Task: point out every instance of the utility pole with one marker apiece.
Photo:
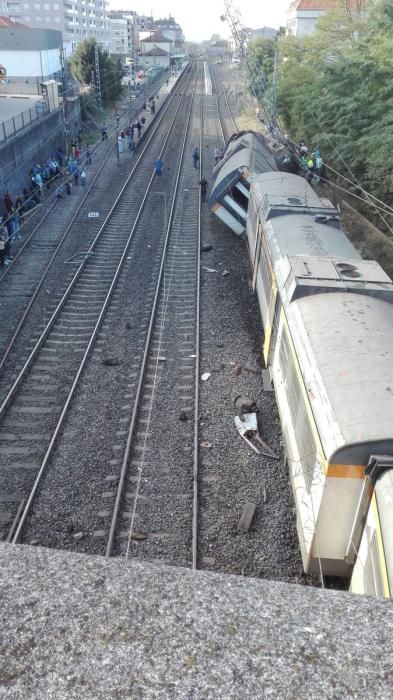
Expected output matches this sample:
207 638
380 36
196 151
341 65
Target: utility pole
97 81
273 107
240 36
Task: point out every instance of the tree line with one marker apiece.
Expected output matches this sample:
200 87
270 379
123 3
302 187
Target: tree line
334 90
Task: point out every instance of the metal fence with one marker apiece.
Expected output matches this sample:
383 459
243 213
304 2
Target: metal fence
9 128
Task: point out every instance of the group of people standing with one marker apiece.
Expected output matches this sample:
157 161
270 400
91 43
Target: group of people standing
58 170
312 161
11 222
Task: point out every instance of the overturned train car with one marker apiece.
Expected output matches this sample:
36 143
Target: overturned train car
328 322
247 154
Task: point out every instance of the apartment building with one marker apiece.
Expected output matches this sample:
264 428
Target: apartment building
170 29
76 19
120 34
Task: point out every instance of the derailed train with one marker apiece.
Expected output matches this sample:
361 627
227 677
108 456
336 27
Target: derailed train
328 343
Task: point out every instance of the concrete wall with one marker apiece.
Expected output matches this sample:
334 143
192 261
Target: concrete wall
34 145
154 61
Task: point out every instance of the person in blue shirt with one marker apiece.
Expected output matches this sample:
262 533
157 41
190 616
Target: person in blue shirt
158 167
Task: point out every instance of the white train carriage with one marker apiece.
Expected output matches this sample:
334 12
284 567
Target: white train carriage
328 321
373 570
246 155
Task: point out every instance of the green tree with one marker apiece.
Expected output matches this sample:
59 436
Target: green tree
111 72
335 91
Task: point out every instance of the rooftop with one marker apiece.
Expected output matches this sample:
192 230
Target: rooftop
156 38
156 52
324 5
7 22
75 626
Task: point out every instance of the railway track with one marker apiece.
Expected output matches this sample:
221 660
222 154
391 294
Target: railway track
226 121
156 505
33 412
124 475
40 260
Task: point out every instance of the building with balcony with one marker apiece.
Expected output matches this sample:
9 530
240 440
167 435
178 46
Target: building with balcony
120 36
170 29
76 19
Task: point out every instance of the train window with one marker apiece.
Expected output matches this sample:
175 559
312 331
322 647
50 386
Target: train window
239 198
372 580
300 422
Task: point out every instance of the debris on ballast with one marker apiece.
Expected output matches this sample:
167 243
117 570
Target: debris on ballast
246 517
248 430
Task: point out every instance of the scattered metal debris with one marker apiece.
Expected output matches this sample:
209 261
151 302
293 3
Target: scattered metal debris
248 430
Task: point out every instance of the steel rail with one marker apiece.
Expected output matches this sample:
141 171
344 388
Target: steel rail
128 116
131 429
153 127
86 354
195 469
53 204
221 118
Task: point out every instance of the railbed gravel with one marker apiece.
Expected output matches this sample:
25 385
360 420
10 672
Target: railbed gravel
97 410
230 474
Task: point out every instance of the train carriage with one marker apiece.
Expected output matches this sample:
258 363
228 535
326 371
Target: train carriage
247 154
328 321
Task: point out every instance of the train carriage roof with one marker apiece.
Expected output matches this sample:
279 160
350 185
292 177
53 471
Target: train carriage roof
285 202
344 344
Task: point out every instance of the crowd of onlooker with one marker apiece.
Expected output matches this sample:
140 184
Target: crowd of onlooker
59 171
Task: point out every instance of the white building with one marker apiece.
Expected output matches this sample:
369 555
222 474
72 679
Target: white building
303 15
154 44
263 33
30 55
154 58
76 19
120 38
170 29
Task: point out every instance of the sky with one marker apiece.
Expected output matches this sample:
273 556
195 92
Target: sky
200 19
